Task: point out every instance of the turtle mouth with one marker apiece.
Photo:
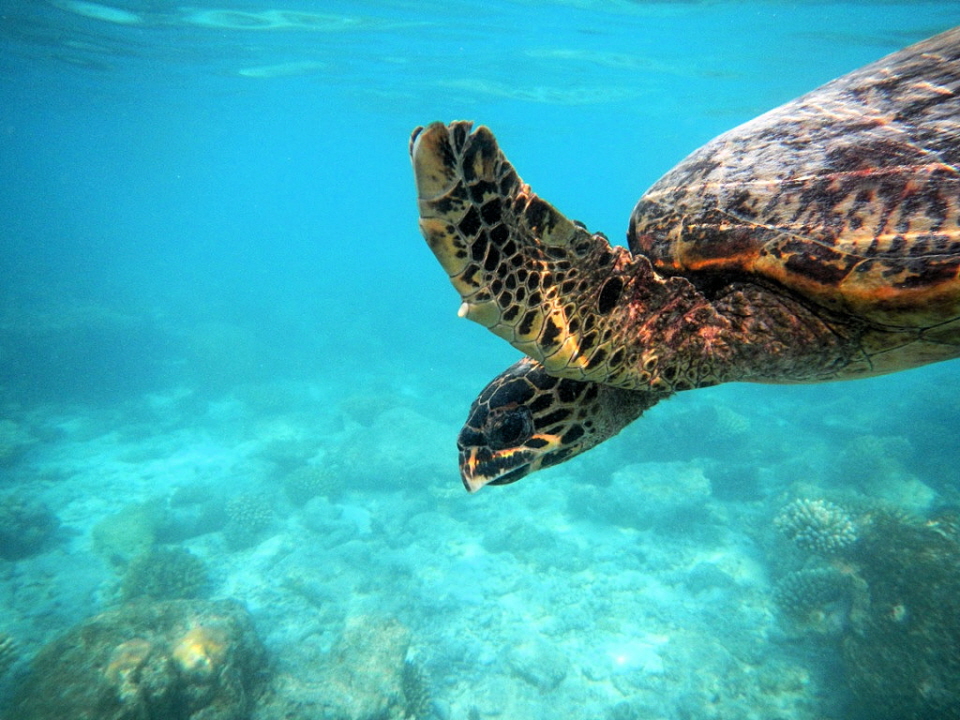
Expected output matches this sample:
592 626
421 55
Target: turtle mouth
480 466
511 476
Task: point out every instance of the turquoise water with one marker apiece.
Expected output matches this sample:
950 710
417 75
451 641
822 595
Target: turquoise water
221 332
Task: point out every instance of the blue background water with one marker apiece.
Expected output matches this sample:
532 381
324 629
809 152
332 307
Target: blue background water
204 207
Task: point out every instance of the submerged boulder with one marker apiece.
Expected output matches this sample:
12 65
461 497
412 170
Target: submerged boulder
365 676
27 527
177 660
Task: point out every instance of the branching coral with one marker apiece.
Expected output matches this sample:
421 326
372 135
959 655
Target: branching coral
817 526
307 482
804 592
248 515
165 574
252 511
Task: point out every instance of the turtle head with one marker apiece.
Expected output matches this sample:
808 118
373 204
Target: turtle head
525 420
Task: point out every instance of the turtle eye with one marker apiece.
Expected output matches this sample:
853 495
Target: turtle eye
508 427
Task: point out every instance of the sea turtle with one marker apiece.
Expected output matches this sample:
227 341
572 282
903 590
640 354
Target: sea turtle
820 241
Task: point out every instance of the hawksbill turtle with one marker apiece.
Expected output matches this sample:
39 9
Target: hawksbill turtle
819 241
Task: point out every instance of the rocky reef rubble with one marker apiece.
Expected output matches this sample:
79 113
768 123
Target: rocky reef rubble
365 676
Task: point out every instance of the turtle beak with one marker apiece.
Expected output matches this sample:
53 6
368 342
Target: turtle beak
481 466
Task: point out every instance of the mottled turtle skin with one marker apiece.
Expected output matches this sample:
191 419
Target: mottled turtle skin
820 241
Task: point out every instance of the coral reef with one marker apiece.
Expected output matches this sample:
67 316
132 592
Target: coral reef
902 652
894 584
127 534
165 574
66 349
539 663
675 498
366 671
736 481
14 441
192 510
867 460
287 441
177 660
536 546
308 481
409 448
805 594
365 677
249 514
946 521
26 527
728 425
365 407
416 692
882 468
817 526
9 653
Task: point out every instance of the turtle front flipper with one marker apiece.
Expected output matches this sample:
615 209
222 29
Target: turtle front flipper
540 281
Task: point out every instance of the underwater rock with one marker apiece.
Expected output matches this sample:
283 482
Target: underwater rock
365 677
66 351
165 574
191 510
9 653
410 451
542 548
176 660
817 526
705 576
127 534
26 527
734 481
329 523
539 663
365 674
674 494
14 441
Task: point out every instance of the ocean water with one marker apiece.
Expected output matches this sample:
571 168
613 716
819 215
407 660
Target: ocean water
221 334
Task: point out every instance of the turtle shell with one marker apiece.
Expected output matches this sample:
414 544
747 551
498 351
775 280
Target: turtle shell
848 198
